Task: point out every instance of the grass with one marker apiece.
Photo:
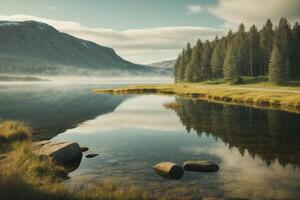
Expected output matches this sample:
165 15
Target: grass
252 92
14 131
24 175
11 132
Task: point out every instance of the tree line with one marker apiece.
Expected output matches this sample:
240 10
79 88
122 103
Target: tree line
271 51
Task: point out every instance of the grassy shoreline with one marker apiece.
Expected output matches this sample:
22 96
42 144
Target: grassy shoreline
24 175
260 95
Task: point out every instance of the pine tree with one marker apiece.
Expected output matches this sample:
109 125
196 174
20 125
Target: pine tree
237 42
189 73
295 52
216 62
276 66
205 60
176 68
229 38
255 53
186 62
282 39
196 62
181 67
266 43
229 68
188 54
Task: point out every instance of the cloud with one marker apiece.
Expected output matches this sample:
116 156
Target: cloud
256 12
193 9
138 45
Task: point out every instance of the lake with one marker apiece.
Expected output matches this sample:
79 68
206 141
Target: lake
258 151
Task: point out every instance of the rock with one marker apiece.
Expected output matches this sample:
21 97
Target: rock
91 155
169 170
63 153
84 149
200 166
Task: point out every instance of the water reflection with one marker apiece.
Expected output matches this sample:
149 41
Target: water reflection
53 108
272 135
141 132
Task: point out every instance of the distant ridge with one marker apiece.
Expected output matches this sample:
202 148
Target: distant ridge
164 64
165 67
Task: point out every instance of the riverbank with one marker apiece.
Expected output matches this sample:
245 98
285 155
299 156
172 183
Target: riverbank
261 95
26 175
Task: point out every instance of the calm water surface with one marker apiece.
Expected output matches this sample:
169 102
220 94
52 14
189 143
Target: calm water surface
258 151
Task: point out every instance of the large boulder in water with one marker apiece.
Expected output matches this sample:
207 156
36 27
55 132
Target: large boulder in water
63 153
200 166
169 170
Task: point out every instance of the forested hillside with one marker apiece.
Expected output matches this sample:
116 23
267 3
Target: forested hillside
271 51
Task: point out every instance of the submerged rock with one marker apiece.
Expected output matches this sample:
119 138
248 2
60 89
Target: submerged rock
169 170
91 155
84 149
200 166
63 153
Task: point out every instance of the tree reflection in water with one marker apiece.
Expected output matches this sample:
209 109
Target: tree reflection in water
270 134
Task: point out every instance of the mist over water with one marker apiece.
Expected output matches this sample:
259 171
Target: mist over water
110 80
84 79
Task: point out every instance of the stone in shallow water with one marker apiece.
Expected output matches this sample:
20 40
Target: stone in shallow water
200 166
169 170
84 149
91 155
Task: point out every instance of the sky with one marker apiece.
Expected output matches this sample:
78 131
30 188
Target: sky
147 31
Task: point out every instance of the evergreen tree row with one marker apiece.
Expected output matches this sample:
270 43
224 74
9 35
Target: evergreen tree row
272 52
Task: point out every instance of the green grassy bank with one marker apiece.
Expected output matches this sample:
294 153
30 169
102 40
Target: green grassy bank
252 92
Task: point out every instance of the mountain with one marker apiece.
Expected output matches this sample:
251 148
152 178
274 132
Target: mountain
164 64
164 67
32 47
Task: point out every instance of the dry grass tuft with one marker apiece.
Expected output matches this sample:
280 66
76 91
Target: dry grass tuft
14 131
